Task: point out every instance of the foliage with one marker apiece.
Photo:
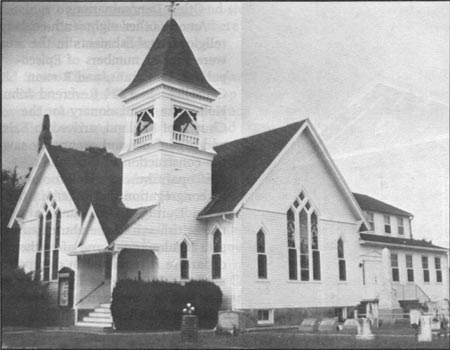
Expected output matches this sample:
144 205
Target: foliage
158 305
24 301
207 299
12 186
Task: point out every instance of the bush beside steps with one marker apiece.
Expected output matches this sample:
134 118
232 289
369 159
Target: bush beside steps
158 305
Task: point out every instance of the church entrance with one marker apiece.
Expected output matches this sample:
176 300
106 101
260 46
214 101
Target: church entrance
137 265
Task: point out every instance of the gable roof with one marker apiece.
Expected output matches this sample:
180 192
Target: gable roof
116 219
372 204
90 177
407 242
170 56
240 163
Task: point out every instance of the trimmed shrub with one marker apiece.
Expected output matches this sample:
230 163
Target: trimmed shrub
207 299
24 301
158 305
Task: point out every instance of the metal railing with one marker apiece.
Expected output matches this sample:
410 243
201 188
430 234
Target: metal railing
90 293
410 292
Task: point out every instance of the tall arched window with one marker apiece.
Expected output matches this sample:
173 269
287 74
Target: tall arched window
216 256
47 252
341 259
184 261
261 252
302 220
292 251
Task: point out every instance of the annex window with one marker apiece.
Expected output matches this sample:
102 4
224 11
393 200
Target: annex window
387 224
144 122
437 266
401 228
303 225
184 261
265 316
341 259
292 251
216 256
261 252
410 268
47 253
426 271
395 269
369 216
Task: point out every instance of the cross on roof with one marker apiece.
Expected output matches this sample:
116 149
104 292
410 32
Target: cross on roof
172 7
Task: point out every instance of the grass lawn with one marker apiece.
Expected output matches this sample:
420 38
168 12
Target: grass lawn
80 340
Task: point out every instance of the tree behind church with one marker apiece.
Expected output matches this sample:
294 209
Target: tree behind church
12 186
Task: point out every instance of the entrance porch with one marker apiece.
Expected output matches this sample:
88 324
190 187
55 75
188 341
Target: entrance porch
97 275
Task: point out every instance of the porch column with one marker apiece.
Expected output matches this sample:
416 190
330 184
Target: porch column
114 260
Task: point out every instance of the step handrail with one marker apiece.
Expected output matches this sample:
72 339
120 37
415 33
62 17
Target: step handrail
92 291
422 291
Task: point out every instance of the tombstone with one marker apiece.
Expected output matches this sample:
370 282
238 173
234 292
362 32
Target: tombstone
364 330
232 322
425 334
328 324
308 325
350 324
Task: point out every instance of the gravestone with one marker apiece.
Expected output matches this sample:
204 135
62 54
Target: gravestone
308 325
351 324
425 334
232 322
328 324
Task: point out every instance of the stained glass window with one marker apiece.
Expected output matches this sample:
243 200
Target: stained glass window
184 262
216 257
341 260
261 253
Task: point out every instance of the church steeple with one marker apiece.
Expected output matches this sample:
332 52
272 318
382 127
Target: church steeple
171 57
45 137
167 139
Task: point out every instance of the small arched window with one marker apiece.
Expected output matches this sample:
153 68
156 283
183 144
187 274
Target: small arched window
216 262
184 261
341 259
261 252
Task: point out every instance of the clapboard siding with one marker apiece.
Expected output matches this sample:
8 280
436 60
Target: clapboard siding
302 167
48 181
378 219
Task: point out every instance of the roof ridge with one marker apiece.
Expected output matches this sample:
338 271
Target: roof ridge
300 122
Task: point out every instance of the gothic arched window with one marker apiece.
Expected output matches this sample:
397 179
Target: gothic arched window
261 252
184 261
216 256
341 259
49 236
302 224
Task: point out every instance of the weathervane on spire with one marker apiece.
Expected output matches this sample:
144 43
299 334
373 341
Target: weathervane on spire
172 7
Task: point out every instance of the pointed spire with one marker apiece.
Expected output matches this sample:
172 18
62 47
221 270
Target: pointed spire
45 137
171 57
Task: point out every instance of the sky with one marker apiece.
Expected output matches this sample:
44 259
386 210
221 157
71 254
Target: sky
372 77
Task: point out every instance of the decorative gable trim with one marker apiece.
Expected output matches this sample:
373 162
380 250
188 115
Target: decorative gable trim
33 177
328 159
91 216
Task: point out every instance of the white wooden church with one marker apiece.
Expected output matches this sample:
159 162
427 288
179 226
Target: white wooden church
268 218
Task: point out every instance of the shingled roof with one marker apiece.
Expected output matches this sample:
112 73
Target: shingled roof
115 219
371 204
170 56
239 164
407 242
90 177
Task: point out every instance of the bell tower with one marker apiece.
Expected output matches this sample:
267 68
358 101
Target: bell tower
166 153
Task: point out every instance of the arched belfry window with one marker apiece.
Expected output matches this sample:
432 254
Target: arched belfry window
302 224
185 130
216 262
184 260
49 236
145 122
261 252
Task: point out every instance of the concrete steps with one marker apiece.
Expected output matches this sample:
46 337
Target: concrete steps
101 317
